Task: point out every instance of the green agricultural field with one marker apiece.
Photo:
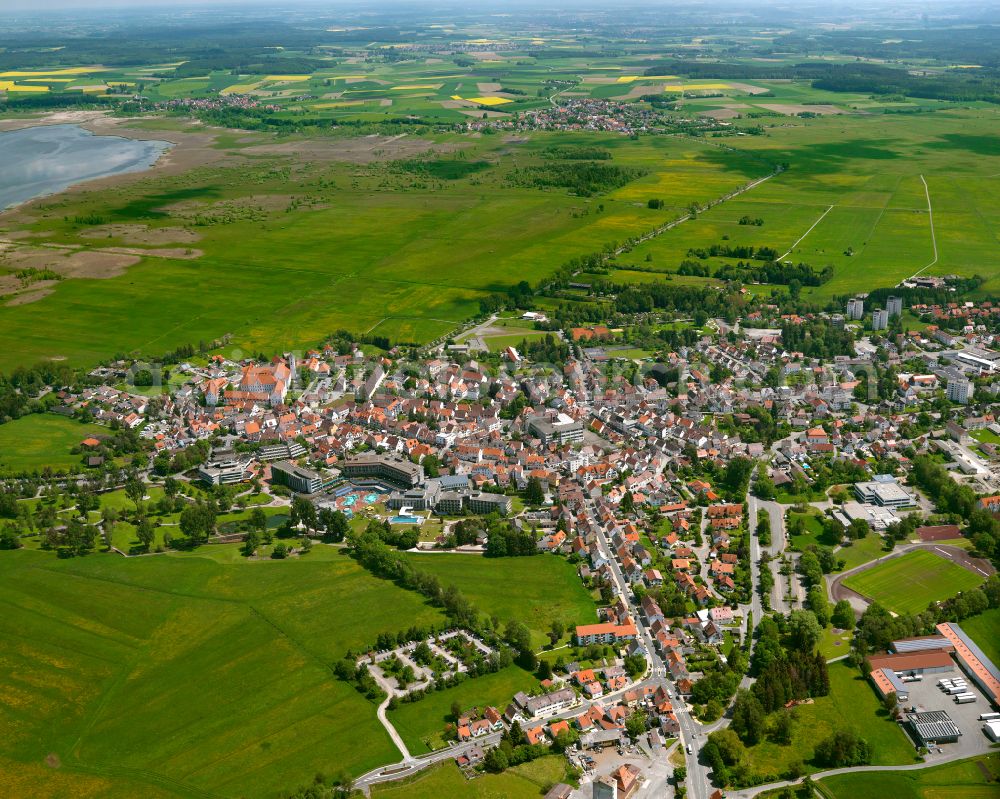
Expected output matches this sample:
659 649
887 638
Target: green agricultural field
851 703
536 590
422 723
107 660
527 781
279 251
908 584
975 778
985 631
853 197
36 441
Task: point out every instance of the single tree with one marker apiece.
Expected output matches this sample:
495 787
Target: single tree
144 532
135 491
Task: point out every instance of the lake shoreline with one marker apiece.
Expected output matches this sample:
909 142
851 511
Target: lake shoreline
188 150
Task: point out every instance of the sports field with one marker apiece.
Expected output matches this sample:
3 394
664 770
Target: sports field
37 440
975 778
908 584
180 676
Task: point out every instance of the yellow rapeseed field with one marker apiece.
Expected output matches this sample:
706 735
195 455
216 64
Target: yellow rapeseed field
50 73
285 78
633 78
241 88
489 100
10 86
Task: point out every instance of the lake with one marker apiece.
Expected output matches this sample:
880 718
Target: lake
46 159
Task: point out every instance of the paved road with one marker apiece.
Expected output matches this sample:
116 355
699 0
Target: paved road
396 737
748 793
407 768
776 515
699 786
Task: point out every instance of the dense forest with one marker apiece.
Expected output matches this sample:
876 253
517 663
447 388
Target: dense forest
960 85
583 178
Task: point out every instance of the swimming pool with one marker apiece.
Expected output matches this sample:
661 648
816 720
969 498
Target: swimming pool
404 519
371 498
350 500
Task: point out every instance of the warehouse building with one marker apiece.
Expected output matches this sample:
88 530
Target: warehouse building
932 727
886 682
912 663
973 661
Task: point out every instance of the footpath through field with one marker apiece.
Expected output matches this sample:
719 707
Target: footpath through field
930 216
802 237
687 217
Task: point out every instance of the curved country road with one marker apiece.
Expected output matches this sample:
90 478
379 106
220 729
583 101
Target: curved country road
748 793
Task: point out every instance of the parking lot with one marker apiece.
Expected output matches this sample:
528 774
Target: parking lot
926 696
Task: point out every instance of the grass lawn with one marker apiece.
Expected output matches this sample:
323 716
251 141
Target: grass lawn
835 643
536 589
813 532
422 723
851 703
37 440
526 781
862 551
788 498
985 436
180 676
500 343
909 583
985 631
966 779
